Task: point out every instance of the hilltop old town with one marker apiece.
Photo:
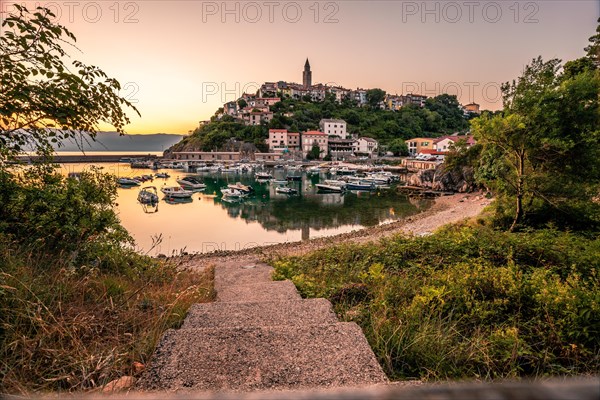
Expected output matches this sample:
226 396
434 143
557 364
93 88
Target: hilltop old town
332 138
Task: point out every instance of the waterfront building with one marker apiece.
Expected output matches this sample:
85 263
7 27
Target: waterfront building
334 127
365 146
417 144
311 137
278 140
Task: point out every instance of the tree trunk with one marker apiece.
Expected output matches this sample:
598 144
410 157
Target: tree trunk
520 173
518 212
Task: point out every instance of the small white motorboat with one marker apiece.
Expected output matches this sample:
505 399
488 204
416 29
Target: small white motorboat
128 182
190 182
176 192
331 186
232 193
263 176
285 190
242 188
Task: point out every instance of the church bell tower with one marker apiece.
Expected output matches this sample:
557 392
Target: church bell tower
307 75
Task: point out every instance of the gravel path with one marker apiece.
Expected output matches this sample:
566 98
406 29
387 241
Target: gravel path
446 210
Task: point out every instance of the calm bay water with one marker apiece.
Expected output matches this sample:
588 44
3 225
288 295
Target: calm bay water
207 223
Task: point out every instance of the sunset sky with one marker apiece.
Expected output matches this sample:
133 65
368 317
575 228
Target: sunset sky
181 60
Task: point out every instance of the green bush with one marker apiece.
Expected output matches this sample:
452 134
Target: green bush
466 302
78 306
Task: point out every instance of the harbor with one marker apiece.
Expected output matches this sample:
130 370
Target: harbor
225 207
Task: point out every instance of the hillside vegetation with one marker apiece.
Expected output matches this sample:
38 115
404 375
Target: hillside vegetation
465 302
441 115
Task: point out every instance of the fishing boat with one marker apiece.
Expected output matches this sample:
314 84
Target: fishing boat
190 182
148 195
285 190
176 192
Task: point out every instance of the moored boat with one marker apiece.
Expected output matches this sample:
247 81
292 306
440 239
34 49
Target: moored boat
242 188
285 190
128 182
331 186
148 195
232 193
360 186
190 182
176 192
263 176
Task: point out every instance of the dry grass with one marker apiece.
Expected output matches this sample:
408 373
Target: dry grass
65 329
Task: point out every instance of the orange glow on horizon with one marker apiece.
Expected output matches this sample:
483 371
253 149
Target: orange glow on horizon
179 61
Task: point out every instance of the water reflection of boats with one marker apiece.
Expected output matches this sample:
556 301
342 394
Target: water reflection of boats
176 192
148 195
178 200
190 182
231 200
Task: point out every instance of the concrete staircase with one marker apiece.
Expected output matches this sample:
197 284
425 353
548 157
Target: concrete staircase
261 335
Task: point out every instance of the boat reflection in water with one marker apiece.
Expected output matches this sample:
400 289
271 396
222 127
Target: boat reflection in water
178 200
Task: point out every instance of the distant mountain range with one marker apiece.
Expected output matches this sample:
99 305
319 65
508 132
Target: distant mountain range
111 141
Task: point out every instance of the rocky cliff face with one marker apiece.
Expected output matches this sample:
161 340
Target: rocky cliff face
461 181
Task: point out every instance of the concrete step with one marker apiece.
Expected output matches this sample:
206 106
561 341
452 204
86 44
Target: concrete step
265 291
257 314
250 359
242 274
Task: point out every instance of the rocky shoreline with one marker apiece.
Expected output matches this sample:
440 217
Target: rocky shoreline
445 210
